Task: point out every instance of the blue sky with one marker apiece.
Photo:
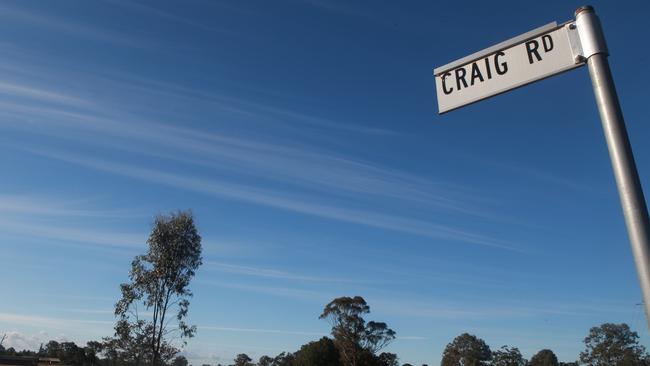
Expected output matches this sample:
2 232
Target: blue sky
303 135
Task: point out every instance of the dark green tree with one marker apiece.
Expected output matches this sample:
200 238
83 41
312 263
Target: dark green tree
132 340
52 349
265 361
466 350
179 361
68 352
612 345
284 359
376 336
508 356
352 335
242 359
388 359
159 283
71 354
319 353
545 357
93 349
368 359
111 351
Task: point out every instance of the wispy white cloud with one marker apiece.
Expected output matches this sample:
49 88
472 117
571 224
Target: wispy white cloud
270 273
241 249
342 7
314 172
411 338
357 10
158 12
256 330
111 312
389 184
237 105
474 277
299 166
91 311
290 292
280 200
490 309
38 321
536 174
71 234
40 94
57 207
556 179
65 26
84 297
295 166
130 84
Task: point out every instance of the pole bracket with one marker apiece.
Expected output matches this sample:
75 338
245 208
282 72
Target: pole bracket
590 32
574 42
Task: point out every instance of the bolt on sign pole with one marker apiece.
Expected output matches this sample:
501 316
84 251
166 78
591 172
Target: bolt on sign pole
543 52
620 152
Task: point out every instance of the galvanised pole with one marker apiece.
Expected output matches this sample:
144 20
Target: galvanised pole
618 143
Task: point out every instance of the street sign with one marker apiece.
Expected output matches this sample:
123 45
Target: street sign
538 54
532 56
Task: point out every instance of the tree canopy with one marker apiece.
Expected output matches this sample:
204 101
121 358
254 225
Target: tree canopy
265 361
179 361
466 350
388 359
319 353
353 337
545 357
284 359
242 359
612 345
159 282
508 356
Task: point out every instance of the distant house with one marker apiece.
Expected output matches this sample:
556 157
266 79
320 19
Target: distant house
49 361
29 361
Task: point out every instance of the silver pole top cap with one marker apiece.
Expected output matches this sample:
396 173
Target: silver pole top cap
585 8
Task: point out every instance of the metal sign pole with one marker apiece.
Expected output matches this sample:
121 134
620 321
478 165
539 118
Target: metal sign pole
620 152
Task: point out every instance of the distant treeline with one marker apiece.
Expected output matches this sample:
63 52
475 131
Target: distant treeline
356 343
159 283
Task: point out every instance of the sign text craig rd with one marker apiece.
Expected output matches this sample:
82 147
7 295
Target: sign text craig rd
501 69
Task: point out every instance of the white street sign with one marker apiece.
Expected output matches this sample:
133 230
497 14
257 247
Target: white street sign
538 54
532 56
